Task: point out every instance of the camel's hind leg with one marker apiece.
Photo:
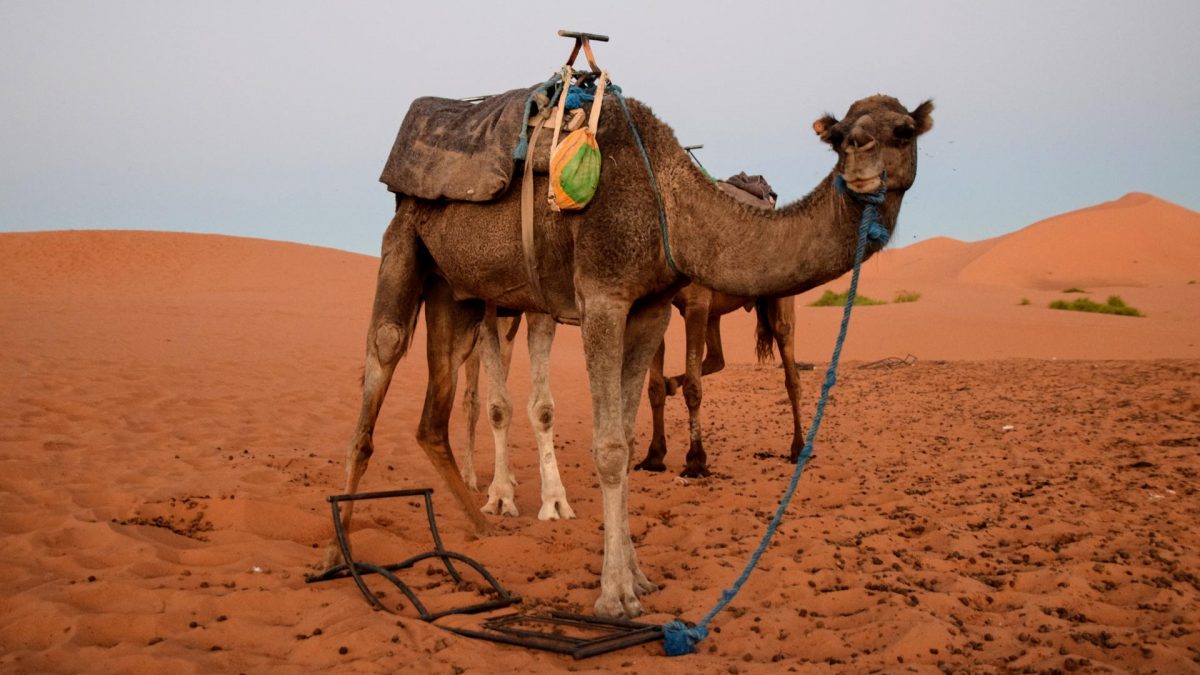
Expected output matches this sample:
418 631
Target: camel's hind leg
495 348
643 331
402 271
451 329
656 391
696 323
782 314
541 417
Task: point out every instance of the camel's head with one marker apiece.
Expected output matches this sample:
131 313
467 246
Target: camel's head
877 135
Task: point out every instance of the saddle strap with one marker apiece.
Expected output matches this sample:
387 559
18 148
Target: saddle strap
527 244
567 74
601 85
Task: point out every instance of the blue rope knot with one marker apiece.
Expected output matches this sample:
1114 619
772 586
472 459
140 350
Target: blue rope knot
680 639
576 97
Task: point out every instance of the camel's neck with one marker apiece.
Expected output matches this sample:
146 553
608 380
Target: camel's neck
737 249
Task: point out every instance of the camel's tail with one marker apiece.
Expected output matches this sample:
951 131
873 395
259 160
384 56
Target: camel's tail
765 337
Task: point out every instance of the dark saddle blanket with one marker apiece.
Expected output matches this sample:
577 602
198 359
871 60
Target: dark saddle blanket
757 186
752 190
452 149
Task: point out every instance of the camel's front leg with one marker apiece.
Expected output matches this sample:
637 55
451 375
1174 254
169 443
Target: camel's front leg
603 330
782 314
541 329
496 352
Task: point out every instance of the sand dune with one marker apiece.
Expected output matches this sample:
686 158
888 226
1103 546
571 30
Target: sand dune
177 407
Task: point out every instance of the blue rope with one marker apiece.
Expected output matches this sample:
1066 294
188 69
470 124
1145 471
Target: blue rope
678 637
522 148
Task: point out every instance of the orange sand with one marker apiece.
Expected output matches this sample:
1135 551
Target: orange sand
177 406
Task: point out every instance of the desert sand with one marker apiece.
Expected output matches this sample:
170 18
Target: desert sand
1022 497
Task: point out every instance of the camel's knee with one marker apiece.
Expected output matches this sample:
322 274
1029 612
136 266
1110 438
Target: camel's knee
430 435
612 461
541 415
656 390
783 329
500 414
390 342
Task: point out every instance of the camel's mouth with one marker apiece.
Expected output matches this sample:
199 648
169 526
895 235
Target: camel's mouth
863 185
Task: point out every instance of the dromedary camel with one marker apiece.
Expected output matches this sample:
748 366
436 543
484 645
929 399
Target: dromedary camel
611 265
702 309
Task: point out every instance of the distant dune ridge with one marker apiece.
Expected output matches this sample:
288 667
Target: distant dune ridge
176 408
1139 246
1137 240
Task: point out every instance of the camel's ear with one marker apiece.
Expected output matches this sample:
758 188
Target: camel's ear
923 117
824 127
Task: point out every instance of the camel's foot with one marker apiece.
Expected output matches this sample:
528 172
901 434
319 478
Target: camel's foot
654 464
501 501
654 457
797 448
696 463
332 558
619 604
555 507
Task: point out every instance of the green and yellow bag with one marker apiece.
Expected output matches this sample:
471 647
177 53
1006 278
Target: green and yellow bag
575 170
575 163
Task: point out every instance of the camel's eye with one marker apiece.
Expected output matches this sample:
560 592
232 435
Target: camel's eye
904 131
835 137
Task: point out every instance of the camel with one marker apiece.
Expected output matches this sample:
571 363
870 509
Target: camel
493 350
702 309
615 265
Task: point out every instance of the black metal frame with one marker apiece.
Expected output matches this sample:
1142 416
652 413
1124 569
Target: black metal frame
615 633
357 569
619 633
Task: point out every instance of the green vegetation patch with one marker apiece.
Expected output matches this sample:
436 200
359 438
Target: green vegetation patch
1024 301
1074 289
831 299
907 296
1114 305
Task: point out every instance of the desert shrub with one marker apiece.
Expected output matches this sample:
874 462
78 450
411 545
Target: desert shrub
1074 289
1024 301
1114 305
831 299
907 296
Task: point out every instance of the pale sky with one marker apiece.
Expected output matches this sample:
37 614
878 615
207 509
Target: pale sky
273 119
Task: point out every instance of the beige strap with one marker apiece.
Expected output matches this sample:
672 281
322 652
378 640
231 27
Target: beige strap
527 243
601 83
567 74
